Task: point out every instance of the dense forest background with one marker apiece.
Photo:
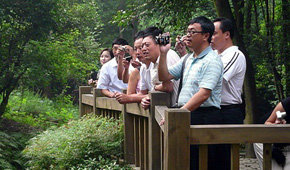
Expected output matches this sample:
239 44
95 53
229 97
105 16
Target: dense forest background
49 47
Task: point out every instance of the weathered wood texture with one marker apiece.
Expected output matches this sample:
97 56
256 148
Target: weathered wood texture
148 145
234 134
129 125
176 138
203 157
235 156
267 155
157 99
83 108
136 109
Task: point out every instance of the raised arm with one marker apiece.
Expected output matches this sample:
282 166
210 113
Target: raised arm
273 117
162 67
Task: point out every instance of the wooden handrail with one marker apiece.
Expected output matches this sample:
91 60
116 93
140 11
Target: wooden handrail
151 146
247 133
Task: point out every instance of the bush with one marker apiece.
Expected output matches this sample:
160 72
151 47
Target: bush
75 143
101 163
10 148
30 108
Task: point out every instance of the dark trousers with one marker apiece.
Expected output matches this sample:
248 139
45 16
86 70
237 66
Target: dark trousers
206 116
232 114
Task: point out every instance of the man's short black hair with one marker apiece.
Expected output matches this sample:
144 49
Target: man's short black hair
138 35
226 25
152 32
120 41
206 25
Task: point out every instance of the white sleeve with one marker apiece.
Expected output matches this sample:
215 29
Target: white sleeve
104 79
235 66
172 58
143 84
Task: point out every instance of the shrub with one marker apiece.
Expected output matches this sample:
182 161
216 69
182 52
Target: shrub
30 108
101 163
75 143
10 148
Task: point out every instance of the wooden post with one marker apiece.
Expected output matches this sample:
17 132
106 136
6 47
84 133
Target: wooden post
95 97
136 141
203 157
176 138
161 99
141 143
83 90
128 136
235 156
267 156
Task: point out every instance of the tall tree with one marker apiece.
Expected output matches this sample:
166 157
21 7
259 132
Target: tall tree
285 42
252 115
21 21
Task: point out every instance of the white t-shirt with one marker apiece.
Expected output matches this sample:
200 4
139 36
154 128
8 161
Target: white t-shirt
108 77
234 63
172 58
145 77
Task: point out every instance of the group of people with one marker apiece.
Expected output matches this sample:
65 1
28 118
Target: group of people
206 79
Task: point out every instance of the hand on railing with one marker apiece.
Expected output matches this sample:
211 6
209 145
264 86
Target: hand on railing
113 94
162 122
122 98
145 102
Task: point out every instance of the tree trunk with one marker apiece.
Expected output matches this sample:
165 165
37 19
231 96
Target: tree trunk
252 115
270 54
285 44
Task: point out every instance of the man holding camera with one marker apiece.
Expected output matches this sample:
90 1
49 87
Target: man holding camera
201 83
149 76
108 81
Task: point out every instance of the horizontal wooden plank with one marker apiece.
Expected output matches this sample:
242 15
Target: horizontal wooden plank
88 99
108 103
85 89
216 134
135 108
160 114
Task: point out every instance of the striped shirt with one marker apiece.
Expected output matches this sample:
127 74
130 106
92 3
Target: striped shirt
234 63
204 71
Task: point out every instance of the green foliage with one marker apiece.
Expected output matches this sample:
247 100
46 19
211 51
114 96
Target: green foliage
10 148
61 59
32 109
75 143
101 163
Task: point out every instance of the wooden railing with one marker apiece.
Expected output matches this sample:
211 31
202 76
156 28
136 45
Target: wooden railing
150 146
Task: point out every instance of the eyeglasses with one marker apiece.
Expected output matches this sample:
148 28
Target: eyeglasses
190 32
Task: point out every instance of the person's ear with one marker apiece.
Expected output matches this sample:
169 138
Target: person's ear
206 36
227 34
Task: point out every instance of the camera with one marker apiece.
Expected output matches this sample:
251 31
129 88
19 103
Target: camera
122 48
128 58
162 39
280 115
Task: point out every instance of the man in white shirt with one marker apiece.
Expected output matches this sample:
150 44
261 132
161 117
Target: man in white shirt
108 81
234 63
149 77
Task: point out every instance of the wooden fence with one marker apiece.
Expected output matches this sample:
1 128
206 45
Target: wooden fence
150 146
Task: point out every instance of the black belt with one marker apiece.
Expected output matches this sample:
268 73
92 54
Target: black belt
231 106
205 109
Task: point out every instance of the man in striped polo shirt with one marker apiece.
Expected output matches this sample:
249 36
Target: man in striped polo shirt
201 83
234 63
